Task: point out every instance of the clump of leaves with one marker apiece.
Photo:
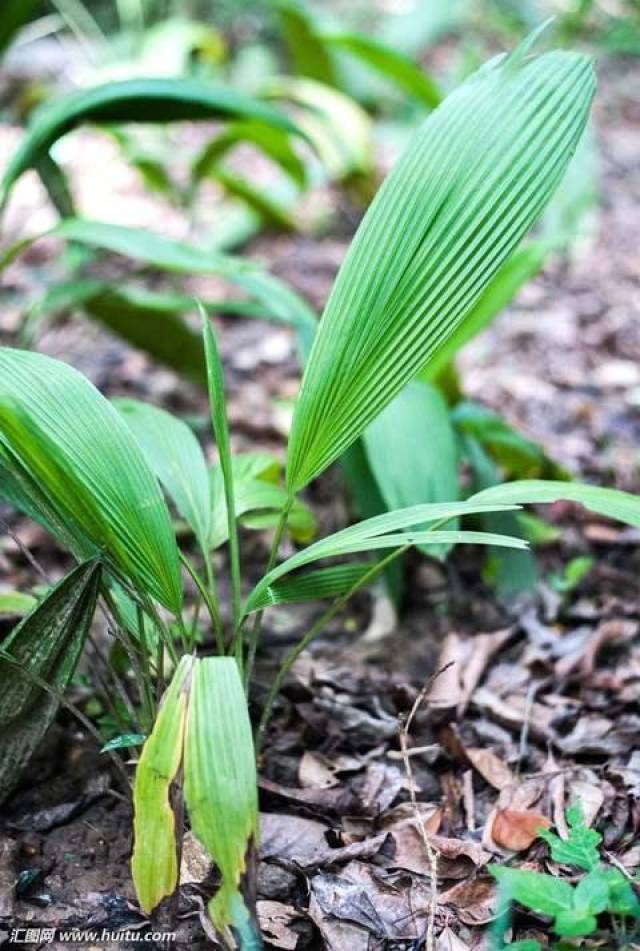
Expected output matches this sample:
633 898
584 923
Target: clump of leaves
99 477
574 909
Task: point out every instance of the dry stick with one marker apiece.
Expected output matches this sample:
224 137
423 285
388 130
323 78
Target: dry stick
33 561
432 855
313 632
72 708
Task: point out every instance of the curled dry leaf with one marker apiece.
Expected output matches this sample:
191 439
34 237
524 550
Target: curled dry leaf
491 767
516 830
315 772
468 658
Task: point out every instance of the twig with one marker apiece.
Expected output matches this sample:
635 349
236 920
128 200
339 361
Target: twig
33 561
432 855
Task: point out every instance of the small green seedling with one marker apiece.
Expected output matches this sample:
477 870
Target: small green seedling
574 909
101 478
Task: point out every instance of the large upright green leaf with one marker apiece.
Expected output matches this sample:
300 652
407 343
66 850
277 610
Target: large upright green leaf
45 646
499 292
136 100
412 450
609 502
75 457
476 177
154 862
221 792
175 455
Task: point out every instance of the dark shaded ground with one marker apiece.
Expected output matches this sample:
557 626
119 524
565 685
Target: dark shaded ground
538 707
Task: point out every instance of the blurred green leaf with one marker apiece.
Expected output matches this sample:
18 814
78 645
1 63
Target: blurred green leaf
582 846
135 100
412 451
395 66
16 604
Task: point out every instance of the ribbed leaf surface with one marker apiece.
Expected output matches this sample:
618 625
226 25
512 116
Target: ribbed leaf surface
220 785
389 531
476 177
175 455
45 646
78 461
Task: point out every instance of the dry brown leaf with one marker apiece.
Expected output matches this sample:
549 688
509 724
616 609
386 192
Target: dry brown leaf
463 661
448 941
491 767
515 830
195 863
474 900
314 772
275 918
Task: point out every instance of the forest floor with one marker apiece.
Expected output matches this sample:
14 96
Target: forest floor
518 709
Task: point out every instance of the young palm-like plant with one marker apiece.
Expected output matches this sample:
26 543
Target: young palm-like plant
475 179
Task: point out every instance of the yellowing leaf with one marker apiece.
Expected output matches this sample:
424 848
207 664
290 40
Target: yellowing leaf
154 863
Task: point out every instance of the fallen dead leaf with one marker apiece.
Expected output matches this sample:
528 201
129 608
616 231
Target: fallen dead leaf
275 919
315 772
474 900
490 766
516 831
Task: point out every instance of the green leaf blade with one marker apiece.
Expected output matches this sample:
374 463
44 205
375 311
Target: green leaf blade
72 452
220 785
477 176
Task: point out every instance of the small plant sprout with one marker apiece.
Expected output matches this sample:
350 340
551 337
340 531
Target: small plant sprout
105 477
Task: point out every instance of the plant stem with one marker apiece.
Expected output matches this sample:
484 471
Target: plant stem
313 632
209 599
146 653
254 636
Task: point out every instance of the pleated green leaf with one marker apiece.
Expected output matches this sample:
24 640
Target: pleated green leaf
476 177
523 264
315 585
221 792
78 463
411 449
136 100
611 503
174 454
154 863
389 531
44 646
